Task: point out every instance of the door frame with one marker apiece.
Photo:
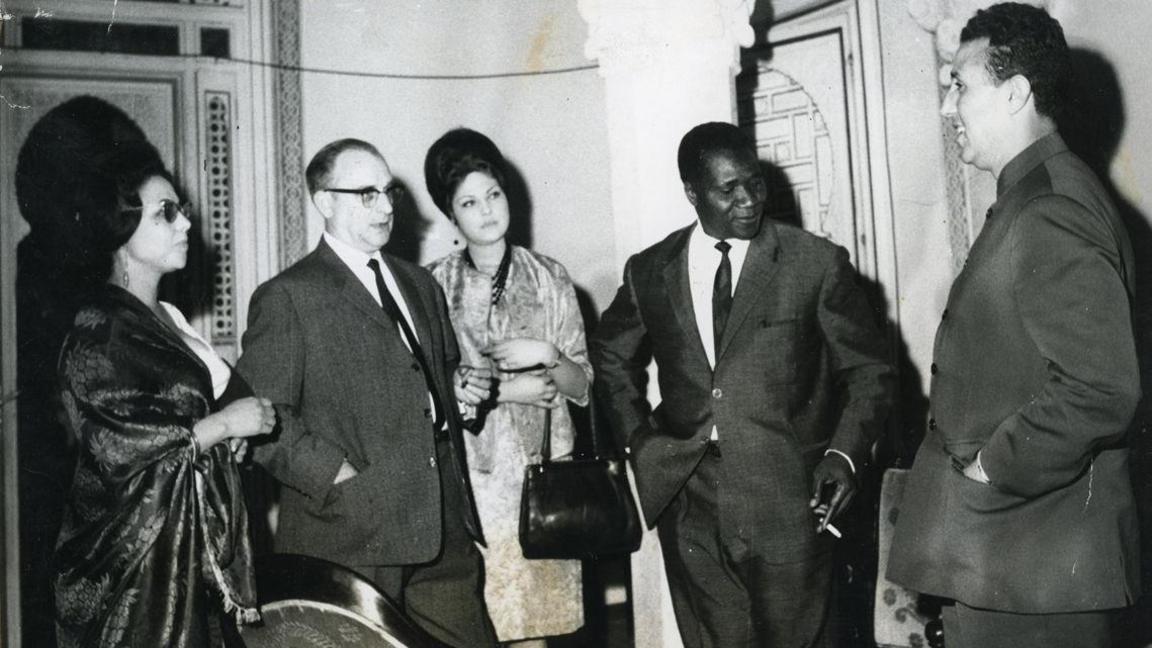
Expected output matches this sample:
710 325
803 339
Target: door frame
255 171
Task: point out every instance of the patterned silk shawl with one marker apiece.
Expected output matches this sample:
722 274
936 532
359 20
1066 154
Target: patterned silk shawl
539 302
154 529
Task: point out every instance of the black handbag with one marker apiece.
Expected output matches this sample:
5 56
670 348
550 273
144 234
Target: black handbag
577 509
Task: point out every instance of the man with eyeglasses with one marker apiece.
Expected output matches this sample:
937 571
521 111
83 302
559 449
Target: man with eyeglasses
355 348
772 380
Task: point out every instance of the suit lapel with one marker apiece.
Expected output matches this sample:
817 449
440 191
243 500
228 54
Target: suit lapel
351 290
680 290
413 300
431 345
760 266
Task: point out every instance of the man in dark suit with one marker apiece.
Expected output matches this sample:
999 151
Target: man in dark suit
1019 506
772 378
355 348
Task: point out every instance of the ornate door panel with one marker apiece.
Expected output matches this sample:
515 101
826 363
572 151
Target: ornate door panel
803 97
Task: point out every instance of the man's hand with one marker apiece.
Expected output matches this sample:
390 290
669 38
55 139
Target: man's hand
472 385
834 472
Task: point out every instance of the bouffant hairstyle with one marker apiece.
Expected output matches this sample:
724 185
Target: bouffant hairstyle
124 170
1024 40
706 139
456 154
67 180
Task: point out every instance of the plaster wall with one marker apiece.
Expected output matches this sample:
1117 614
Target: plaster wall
1116 30
918 184
551 127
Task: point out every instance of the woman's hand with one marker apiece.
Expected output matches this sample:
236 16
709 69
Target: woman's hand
536 388
248 417
242 418
522 353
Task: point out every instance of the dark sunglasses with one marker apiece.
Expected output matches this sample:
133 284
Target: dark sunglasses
168 209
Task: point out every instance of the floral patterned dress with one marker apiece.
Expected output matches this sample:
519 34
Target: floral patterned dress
155 532
526 598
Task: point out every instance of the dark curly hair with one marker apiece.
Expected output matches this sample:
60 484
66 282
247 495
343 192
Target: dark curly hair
456 154
1024 40
706 139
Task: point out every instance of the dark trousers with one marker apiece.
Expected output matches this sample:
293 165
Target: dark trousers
446 596
968 627
725 594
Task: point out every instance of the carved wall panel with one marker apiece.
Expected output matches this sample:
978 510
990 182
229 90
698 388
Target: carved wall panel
218 214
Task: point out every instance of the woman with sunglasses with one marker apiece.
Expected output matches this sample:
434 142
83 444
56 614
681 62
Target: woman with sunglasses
515 311
155 538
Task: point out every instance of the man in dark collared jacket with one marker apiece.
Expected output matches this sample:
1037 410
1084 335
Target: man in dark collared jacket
1019 506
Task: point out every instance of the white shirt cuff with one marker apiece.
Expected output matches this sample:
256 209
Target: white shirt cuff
980 470
846 457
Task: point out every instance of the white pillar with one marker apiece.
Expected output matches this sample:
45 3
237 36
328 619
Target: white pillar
667 66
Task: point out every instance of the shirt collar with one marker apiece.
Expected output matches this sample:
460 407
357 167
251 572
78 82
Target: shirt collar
1030 158
702 241
353 258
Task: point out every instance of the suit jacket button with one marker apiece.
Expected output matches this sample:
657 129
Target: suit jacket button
717 393
932 424
415 367
432 461
934 369
427 413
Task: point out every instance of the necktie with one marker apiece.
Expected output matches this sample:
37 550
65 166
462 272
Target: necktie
393 311
721 295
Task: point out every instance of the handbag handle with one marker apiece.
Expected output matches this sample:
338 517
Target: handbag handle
546 443
594 429
594 426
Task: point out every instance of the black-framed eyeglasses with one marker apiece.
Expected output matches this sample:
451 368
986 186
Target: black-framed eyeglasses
369 195
168 209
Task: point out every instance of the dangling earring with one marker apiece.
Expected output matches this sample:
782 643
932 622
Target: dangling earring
123 263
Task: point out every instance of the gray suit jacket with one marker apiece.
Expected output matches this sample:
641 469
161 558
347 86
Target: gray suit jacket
801 368
346 386
1035 369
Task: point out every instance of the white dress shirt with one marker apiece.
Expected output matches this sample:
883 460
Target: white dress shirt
357 262
703 261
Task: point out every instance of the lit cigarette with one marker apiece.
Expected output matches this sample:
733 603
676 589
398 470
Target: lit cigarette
833 530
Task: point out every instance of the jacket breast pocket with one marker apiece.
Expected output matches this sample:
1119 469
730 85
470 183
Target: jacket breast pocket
776 345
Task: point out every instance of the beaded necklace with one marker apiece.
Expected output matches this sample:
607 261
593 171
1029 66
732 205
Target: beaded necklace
500 279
